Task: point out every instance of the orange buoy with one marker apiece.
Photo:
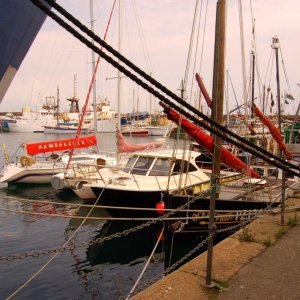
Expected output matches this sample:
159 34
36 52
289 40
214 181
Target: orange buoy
160 207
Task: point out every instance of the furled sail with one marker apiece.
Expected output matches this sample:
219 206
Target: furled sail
61 145
206 141
273 130
20 21
203 90
125 147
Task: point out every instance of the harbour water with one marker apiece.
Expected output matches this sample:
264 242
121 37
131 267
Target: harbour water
92 268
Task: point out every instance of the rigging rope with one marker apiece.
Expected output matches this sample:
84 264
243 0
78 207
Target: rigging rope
89 91
70 157
229 137
188 61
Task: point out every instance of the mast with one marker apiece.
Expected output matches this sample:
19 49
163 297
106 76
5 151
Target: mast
252 83
58 103
217 115
119 73
275 46
93 67
119 76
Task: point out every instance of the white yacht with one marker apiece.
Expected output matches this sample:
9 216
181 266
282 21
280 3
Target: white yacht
142 181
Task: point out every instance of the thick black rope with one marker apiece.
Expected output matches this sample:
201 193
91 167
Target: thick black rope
157 84
245 145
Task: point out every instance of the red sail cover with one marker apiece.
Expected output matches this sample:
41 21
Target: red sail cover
124 147
61 145
206 141
273 130
203 90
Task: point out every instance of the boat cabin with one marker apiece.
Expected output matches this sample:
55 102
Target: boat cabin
143 164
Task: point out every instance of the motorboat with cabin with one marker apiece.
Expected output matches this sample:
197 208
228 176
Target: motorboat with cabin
143 180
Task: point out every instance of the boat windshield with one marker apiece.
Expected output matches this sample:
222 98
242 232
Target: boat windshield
183 166
130 164
142 165
161 167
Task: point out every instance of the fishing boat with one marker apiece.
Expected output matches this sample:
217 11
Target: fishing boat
33 121
33 166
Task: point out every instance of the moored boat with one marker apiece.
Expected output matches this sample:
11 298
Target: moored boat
143 180
65 129
31 167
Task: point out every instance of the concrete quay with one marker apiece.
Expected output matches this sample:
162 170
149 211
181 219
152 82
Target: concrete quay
259 262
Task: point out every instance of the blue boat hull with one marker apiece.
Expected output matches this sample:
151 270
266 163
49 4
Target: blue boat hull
20 22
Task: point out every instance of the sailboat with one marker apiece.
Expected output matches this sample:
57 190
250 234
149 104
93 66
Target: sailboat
32 166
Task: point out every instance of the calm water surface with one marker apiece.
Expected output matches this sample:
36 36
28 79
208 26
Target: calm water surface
90 271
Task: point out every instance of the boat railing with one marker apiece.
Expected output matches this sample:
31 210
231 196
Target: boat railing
92 172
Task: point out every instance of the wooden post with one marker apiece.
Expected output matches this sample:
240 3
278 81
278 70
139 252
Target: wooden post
217 115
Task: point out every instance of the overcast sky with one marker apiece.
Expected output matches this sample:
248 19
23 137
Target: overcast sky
156 36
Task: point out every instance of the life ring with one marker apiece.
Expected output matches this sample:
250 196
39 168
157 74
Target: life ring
25 161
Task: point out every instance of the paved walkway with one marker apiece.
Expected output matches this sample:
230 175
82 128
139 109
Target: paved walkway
273 274
250 269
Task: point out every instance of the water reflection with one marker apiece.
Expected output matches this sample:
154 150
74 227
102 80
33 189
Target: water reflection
125 249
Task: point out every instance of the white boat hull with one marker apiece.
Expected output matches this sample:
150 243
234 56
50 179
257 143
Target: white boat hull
159 130
33 175
23 126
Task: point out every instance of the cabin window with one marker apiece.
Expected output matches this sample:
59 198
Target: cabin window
161 167
259 170
130 164
142 165
183 166
204 161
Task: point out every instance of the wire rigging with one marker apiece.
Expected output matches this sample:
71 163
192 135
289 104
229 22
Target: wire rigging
213 127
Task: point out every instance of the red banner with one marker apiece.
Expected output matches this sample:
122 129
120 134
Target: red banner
61 145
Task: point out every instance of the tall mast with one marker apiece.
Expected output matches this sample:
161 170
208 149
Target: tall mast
58 104
217 115
119 73
93 67
275 46
252 82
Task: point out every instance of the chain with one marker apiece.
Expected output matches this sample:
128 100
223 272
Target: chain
99 240
126 232
172 267
200 245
